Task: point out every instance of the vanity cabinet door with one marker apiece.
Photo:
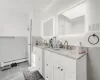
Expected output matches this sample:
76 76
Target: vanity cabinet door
56 73
48 65
66 67
33 59
63 73
65 61
38 59
67 74
59 72
71 75
37 62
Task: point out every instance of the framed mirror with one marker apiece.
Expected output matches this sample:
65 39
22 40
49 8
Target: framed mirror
72 21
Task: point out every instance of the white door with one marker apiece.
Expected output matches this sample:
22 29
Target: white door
29 41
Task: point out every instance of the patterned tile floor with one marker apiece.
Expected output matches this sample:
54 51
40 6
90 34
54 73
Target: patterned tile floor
13 73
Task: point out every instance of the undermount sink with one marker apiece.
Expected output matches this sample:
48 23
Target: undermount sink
61 49
43 46
56 48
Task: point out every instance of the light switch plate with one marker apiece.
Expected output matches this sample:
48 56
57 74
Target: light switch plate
94 27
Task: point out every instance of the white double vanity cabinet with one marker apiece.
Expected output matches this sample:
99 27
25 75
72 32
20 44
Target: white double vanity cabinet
59 64
54 65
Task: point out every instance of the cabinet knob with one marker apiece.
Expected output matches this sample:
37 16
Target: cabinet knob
61 69
47 64
47 76
58 67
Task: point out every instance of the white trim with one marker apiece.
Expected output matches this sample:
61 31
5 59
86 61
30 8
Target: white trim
74 5
50 5
52 17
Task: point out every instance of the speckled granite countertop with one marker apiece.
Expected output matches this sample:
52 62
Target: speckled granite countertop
68 53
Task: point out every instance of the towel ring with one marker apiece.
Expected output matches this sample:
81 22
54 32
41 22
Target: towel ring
94 35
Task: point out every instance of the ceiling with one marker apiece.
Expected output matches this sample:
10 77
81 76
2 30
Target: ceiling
41 4
23 6
27 6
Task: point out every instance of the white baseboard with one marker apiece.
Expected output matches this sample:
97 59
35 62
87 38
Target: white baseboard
2 64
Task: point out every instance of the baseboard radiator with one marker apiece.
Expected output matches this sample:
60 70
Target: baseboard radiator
2 64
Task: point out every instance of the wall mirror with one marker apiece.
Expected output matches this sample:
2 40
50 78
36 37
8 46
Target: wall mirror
72 21
48 27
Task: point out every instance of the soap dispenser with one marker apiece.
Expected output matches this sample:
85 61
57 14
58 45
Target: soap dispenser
82 49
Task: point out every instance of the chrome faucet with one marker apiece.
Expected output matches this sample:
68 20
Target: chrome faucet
59 44
66 46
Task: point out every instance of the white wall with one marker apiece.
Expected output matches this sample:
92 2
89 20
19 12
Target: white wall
14 17
14 21
93 11
93 66
13 24
48 28
37 23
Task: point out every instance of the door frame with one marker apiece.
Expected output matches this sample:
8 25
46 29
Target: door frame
29 40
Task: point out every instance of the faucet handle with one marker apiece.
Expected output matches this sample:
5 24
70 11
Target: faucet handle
45 42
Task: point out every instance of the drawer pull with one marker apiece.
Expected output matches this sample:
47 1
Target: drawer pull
47 76
61 69
47 64
58 67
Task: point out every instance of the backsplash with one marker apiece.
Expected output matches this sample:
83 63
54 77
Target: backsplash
73 40
35 38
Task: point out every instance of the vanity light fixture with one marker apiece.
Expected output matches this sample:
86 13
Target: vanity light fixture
75 12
